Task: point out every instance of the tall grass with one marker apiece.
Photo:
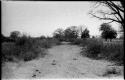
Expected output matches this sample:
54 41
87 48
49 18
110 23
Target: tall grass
94 48
81 42
99 49
26 48
77 41
114 52
7 51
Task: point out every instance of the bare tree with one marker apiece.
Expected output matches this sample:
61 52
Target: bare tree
115 13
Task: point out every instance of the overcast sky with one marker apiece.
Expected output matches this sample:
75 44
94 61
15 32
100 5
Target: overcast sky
42 18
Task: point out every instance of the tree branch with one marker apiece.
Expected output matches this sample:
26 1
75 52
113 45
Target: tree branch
116 6
105 18
116 14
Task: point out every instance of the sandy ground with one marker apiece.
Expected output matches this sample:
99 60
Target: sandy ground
63 61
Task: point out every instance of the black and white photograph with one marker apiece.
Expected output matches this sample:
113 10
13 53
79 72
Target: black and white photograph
62 39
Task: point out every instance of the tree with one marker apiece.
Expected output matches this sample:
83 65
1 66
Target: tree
71 33
59 34
81 28
107 31
42 37
15 34
114 13
105 27
85 34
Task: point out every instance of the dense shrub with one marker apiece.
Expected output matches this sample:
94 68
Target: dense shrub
96 49
6 39
47 43
77 41
81 42
8 51
114 52
85 34
44 43
54 42
26 48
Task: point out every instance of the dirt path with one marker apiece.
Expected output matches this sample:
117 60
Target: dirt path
63 61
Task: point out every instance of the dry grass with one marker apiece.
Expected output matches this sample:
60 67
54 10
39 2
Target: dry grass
26 48
100 49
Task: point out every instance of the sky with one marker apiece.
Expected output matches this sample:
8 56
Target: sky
44 17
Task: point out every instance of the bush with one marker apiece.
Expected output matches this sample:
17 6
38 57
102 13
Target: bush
47 43
77 41
54 42
23 41
94 48
26 48
114 52
7 51
110 51
81 42
43 43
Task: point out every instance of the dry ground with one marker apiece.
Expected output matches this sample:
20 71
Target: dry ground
63 61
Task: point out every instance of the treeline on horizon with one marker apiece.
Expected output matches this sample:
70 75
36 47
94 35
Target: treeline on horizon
72 32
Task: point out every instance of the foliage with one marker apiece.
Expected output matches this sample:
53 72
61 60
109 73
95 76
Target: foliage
7 51
77 41
15 34
6 39
113 51
85 34
107 31
42 37
26 48
105 27
94 48
59 34
109 34
71 33
81 42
